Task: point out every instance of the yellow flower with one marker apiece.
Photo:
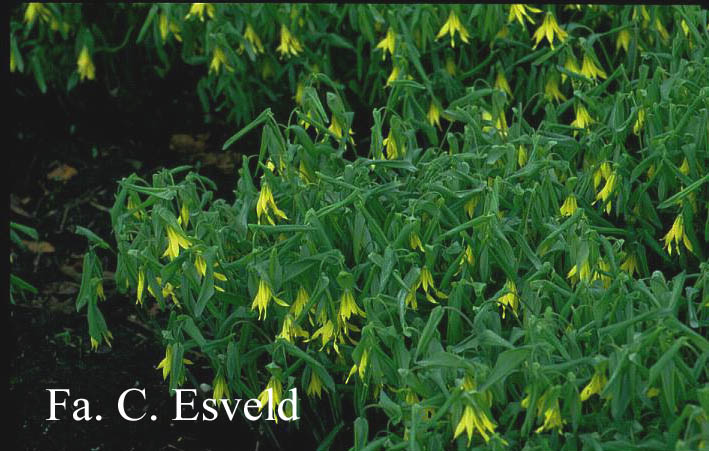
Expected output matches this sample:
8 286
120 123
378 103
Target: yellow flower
326 332
519 11
470 206
359 367
299 91
607 190
522 156
677 234
551 90
583 119
415 241
315 385
571 65
393 76
500 123
652 392
387 44
434 114
662 30
221 388
638 125
552 418
290 45
265 203
290 330
501 83
585 274
336 129
166 26
263 297
141 286
450 66
251 36
569 206
623 40
219 59
595 386
197 9
166 363
451 26
630 265
474 418
684 168
301 299
510 299
85 65
548 29
393 150
176 240
276 388
35 10
184 218
590 70
348 306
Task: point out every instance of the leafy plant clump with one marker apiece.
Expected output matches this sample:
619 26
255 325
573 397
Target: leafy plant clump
533 276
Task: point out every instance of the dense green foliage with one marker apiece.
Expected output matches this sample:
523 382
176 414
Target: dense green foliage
533 276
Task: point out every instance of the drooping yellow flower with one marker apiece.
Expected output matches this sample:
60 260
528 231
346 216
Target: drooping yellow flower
569 206
549 28
387 44
510 299
166 363
336 129
601 273
434 114
263 297
652 392
519 11
299 91
500 123
301 299
141 286
35 10
623 40
393 150
590 70
583 119
393 76
661 30
571 65
266 204
315 386
219 59
677 234
522 156
607 190
290 45
184 217
684 168
638 125
551 90
198 9
473 419
470 206
501 83
552 418
450 66
85 65
326 332
175 241
276 388
359 367
290 330
251 36
221 388
575 275
348 306
415 241
630 265
452 25
165 25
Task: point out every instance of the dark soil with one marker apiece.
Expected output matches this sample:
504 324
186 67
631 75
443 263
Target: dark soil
104 137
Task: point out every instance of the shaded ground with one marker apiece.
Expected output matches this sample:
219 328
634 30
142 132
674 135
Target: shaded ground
102 138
